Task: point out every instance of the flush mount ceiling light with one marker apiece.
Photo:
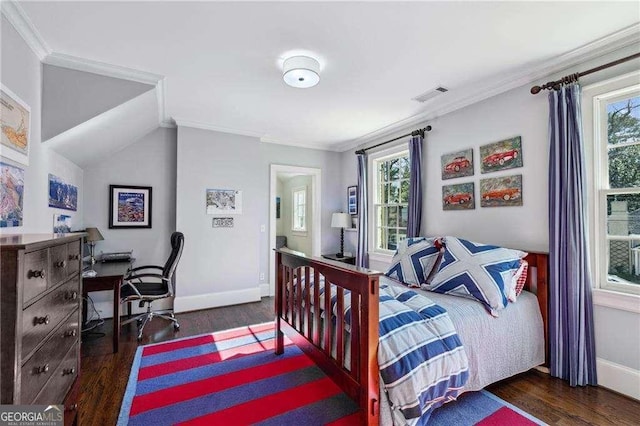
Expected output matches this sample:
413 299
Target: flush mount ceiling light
301 72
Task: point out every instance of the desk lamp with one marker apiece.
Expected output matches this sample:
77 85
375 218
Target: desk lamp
93 235
341 220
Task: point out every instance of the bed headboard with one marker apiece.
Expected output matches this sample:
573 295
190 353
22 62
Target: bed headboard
538 284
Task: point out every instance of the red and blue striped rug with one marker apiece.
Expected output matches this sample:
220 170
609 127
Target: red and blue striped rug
234 378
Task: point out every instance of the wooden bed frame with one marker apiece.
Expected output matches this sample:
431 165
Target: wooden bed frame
295 314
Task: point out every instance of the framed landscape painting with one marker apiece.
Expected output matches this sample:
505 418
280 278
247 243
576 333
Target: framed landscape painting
501 191
457 164
503 155
129 206
352 199
11 195
16 125
458 197
62 195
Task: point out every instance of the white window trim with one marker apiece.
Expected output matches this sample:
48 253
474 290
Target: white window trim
298 231
605 294
376 254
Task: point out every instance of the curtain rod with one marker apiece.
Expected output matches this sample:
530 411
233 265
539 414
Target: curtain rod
555 85
414 133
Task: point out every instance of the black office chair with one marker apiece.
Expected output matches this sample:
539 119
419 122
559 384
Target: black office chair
145 286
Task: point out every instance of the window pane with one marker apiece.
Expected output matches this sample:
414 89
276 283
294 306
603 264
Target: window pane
385 193
394 192
392 240
404 168
394 169
623 214
382 238
404 212
623 121
624 262
402 235
404 191
393 217
383 173
624 166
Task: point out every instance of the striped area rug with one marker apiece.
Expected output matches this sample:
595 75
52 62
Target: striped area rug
231 378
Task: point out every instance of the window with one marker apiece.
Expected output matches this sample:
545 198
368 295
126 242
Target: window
299 218
390 200
617 137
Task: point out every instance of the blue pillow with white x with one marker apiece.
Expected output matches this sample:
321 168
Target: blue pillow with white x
415 261
478 271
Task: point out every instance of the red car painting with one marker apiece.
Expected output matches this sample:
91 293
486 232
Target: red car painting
502 194
457 164
499 158
459 198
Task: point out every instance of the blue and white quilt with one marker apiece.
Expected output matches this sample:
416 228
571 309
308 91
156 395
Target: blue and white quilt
422 361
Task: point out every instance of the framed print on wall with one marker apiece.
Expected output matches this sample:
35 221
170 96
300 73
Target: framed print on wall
501 191
458 197
457 164
503 155
12 199
224 201
16 125
352 199
129 206
62 195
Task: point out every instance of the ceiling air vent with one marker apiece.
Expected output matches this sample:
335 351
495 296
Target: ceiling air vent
430 94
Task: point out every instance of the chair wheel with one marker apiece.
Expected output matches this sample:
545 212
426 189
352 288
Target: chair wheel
139 320
176 326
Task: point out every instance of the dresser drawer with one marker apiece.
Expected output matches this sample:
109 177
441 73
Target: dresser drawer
74 257
42 365
36 274
45 315
59 259
55 390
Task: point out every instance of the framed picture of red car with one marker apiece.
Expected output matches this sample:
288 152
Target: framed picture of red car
501 191
458 197
457 164
503 155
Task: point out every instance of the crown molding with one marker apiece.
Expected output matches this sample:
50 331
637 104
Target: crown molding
318 146
207 126
479 91
16 15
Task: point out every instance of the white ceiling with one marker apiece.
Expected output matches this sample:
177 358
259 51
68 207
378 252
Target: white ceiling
222 61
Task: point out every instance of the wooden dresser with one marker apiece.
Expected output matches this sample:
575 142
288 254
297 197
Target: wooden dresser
40 319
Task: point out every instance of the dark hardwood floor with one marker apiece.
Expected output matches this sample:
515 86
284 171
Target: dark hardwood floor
105 375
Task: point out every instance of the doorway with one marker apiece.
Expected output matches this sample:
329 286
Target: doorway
295 195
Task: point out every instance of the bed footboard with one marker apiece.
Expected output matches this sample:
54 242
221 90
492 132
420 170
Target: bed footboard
299 313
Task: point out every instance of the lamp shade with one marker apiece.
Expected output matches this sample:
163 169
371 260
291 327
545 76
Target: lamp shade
301 72
341 220
93 235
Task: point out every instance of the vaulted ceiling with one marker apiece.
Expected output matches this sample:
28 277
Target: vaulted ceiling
222 60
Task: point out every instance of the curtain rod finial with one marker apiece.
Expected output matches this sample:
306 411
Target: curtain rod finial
428 128
535 90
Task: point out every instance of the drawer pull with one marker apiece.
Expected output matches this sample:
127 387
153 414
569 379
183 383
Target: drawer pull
68 371
74 257
61 264
36 274
41 320
42 370
72 407
72 295
70 333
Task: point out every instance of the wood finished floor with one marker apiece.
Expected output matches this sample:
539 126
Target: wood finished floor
105 375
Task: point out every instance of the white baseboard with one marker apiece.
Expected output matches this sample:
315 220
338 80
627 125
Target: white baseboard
214 300
105 308
264 290
618 378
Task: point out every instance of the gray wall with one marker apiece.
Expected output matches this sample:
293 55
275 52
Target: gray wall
72 97
231 260
299 241
21 73
151 161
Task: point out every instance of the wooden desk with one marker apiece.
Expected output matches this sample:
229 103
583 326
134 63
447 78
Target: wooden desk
109 276
345 259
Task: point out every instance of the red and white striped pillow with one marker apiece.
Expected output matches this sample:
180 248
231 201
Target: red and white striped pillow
518 281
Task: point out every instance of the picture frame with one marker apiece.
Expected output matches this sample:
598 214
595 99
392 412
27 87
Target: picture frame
503 155
223 201
457 164
130 206
15 137
460 196
501 191
352 200
62 195
12 187
277 207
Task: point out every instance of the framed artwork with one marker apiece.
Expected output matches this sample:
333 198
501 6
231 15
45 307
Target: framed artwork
224 201
16 126
61 223
501 191
11 195
130 206
503 155
62 195
352 199
458 197
222 222
457 164
277 207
